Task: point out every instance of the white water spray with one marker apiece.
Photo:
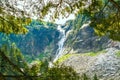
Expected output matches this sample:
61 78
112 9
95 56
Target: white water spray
60 49
63 36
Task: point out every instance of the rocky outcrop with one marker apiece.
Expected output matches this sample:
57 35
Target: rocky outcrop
105 65
80 63
86 40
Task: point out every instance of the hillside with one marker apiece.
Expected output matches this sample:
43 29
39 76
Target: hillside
105 64
38 40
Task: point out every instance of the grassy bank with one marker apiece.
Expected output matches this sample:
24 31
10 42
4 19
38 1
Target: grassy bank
65 57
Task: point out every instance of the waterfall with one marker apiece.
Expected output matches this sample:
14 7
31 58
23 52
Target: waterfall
60 49
63 36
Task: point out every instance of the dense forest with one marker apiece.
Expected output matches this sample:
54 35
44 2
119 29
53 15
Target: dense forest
28 42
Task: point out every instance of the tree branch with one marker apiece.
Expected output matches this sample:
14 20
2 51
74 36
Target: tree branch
115 4
11 63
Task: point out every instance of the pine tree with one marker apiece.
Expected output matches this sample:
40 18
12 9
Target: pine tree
85 77
95 77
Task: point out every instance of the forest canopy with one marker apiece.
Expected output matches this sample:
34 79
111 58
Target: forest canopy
104 15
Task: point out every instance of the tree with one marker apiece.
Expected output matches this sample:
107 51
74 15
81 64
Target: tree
95 77
85 77
10 67
60 72
103 14
10 23
106 21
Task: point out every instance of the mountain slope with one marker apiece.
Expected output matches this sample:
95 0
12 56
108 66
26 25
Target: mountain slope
40 39
85 40
106 65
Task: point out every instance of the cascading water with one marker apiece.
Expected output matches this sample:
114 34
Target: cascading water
59 52
63 35
60 49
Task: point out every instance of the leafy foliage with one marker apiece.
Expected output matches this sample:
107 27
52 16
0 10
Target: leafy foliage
12 63
103 14
86 77
12 24
61 73
106 22
95 77
118 54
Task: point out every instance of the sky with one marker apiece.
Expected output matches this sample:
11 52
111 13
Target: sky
61 20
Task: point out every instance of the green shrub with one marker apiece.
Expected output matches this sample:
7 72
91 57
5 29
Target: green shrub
63 58
118 54
60 73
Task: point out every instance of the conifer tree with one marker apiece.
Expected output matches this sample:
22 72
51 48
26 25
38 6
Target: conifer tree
95 77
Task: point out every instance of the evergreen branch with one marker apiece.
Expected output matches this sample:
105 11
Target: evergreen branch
115 4
11 63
